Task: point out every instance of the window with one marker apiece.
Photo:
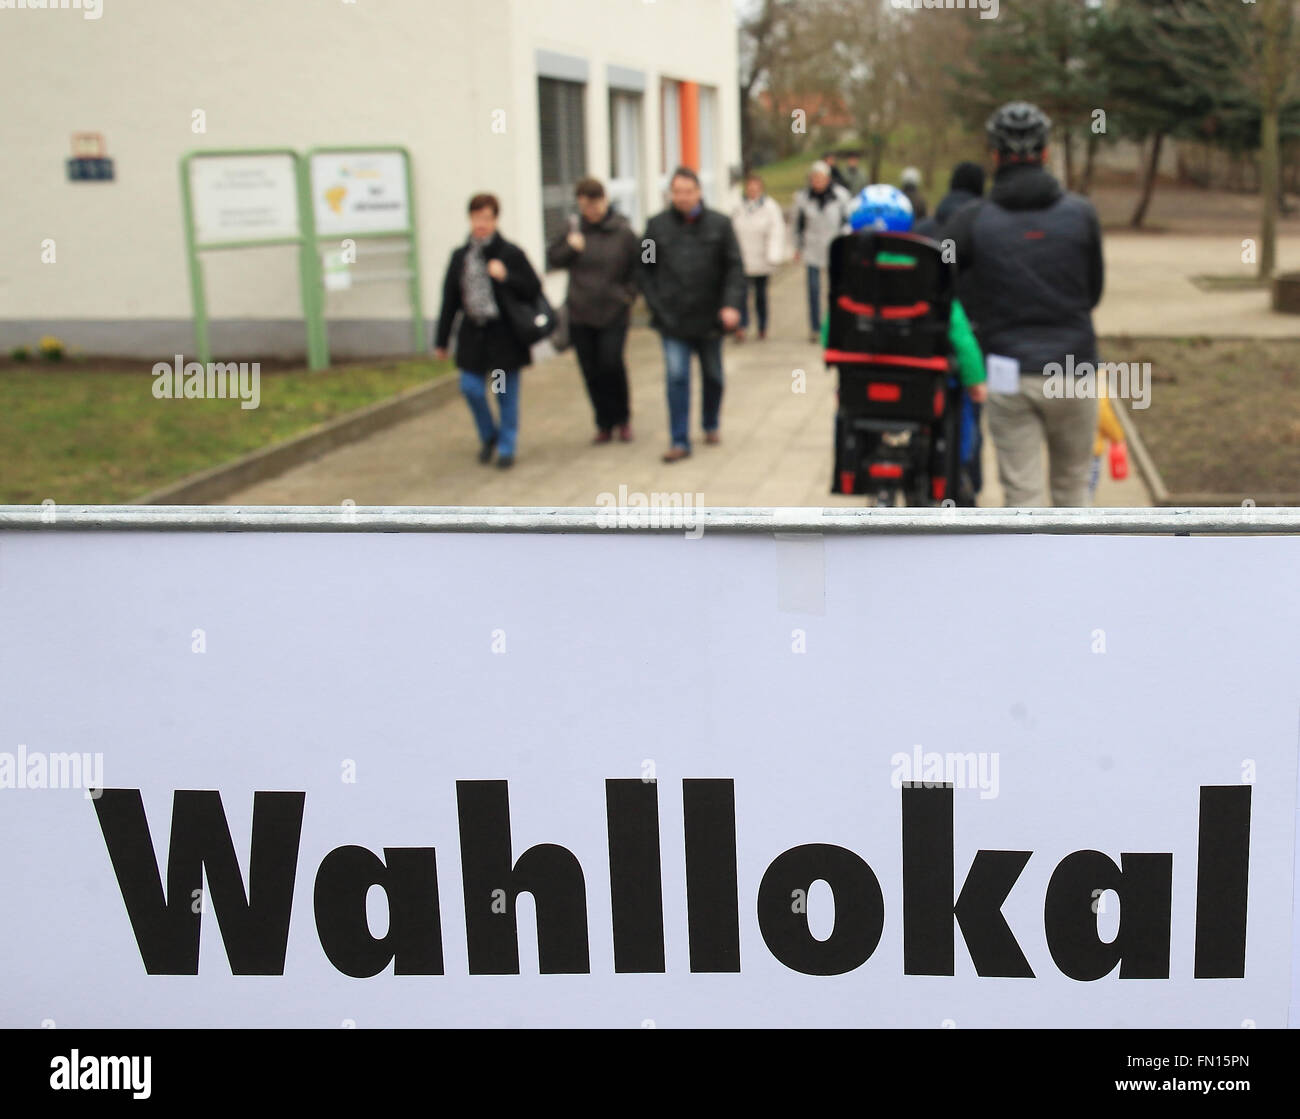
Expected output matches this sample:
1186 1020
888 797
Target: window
670 119
625 154
708 144
563 132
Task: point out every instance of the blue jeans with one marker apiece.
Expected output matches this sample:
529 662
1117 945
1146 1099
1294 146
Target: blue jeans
677 363
814 299
477 387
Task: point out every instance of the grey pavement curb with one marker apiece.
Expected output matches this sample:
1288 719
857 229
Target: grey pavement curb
1145 463
218 482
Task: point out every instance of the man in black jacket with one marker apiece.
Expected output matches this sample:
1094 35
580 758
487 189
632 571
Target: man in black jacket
1031 272
693 278
600 252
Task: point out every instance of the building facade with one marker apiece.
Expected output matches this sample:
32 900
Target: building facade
517 97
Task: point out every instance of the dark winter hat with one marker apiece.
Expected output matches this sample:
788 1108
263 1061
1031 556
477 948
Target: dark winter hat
967 176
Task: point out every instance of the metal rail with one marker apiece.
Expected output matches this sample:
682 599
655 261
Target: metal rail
1245 521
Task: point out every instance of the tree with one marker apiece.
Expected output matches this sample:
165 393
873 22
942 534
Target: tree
856 57
1052 53
779 69
1150 98
1244 57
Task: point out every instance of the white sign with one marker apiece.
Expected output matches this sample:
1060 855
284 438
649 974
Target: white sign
336 270
243 198
1003 374
359 192
801 782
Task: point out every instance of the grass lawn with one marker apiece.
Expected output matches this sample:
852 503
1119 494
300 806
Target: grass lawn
1224 416
782 179
92 431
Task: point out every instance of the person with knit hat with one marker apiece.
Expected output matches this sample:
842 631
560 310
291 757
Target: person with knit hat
965 186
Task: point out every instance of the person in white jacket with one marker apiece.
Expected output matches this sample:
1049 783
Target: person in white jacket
821 213
760 229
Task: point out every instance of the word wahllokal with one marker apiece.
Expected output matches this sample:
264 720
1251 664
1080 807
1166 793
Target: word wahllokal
255 927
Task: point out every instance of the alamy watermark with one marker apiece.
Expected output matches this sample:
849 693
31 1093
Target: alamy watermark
218 380
654 510
90 9
36 770
1122 380
988 9
930 769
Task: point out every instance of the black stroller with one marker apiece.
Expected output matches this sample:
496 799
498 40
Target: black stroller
897 424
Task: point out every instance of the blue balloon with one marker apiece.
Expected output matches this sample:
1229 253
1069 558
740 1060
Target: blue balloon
881 207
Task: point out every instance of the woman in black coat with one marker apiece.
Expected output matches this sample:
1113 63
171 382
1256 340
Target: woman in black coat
482 274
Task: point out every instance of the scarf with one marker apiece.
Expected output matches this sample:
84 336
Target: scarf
476 285
821 197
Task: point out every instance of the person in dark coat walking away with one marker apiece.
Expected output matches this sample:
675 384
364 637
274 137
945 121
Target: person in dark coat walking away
482 274
1031 272
965 186
601 254
694 283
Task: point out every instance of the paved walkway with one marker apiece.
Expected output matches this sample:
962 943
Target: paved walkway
776 443
1149 290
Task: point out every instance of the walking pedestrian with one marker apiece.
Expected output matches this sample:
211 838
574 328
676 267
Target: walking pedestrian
600 253
1031 270
821 214
482 274
693 279
910 182
854 176
832 160
760 229
964 187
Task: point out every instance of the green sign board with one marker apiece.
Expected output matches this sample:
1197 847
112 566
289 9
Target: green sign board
324 204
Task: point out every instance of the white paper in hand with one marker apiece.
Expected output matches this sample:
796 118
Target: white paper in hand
1004 374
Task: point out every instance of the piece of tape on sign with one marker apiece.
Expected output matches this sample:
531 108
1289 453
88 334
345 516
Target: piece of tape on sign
800 573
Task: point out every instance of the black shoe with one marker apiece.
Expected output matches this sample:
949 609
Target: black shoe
505 462
485 452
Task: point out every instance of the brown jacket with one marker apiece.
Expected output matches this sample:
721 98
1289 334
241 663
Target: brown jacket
602 278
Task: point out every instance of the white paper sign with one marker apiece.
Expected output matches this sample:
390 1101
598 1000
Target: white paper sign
1003 373
421 773
336 271
359 192
243 198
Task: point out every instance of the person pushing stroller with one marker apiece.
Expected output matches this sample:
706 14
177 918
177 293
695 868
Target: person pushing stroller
886 209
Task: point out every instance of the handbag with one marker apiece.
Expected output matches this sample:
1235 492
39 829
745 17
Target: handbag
530 320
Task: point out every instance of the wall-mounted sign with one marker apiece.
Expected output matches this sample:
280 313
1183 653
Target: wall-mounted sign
244 198
89 162
336 271
359 192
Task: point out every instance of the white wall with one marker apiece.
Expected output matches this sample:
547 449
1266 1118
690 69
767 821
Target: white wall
424 73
